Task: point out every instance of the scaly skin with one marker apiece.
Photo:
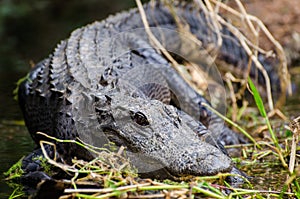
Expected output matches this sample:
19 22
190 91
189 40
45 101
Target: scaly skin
108 83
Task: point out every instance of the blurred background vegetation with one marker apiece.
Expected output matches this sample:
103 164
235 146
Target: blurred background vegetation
30 29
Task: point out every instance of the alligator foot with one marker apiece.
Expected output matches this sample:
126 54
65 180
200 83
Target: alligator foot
39 176
33 162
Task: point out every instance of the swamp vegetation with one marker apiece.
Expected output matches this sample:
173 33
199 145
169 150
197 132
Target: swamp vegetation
271 158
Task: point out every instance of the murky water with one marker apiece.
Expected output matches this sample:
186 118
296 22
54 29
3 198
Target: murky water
15 141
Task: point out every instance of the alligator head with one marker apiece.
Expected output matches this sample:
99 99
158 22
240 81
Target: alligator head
157 140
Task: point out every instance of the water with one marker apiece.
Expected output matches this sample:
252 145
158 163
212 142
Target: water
15 141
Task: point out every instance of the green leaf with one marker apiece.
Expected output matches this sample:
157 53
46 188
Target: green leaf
298 195
14 171
257 98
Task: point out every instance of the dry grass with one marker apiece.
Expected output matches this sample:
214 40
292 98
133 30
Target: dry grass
249 31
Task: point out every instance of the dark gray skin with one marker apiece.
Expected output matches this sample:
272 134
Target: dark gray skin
107 83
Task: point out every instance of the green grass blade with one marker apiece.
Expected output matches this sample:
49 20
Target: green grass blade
261 108
257 98
16 90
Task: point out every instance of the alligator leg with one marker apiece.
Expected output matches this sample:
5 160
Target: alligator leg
33 170
36 167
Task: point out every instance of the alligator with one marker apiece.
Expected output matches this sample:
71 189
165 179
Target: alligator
108 82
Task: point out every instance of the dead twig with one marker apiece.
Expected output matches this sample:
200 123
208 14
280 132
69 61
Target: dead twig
295 128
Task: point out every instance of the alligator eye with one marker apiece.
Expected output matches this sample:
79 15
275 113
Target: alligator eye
139 118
